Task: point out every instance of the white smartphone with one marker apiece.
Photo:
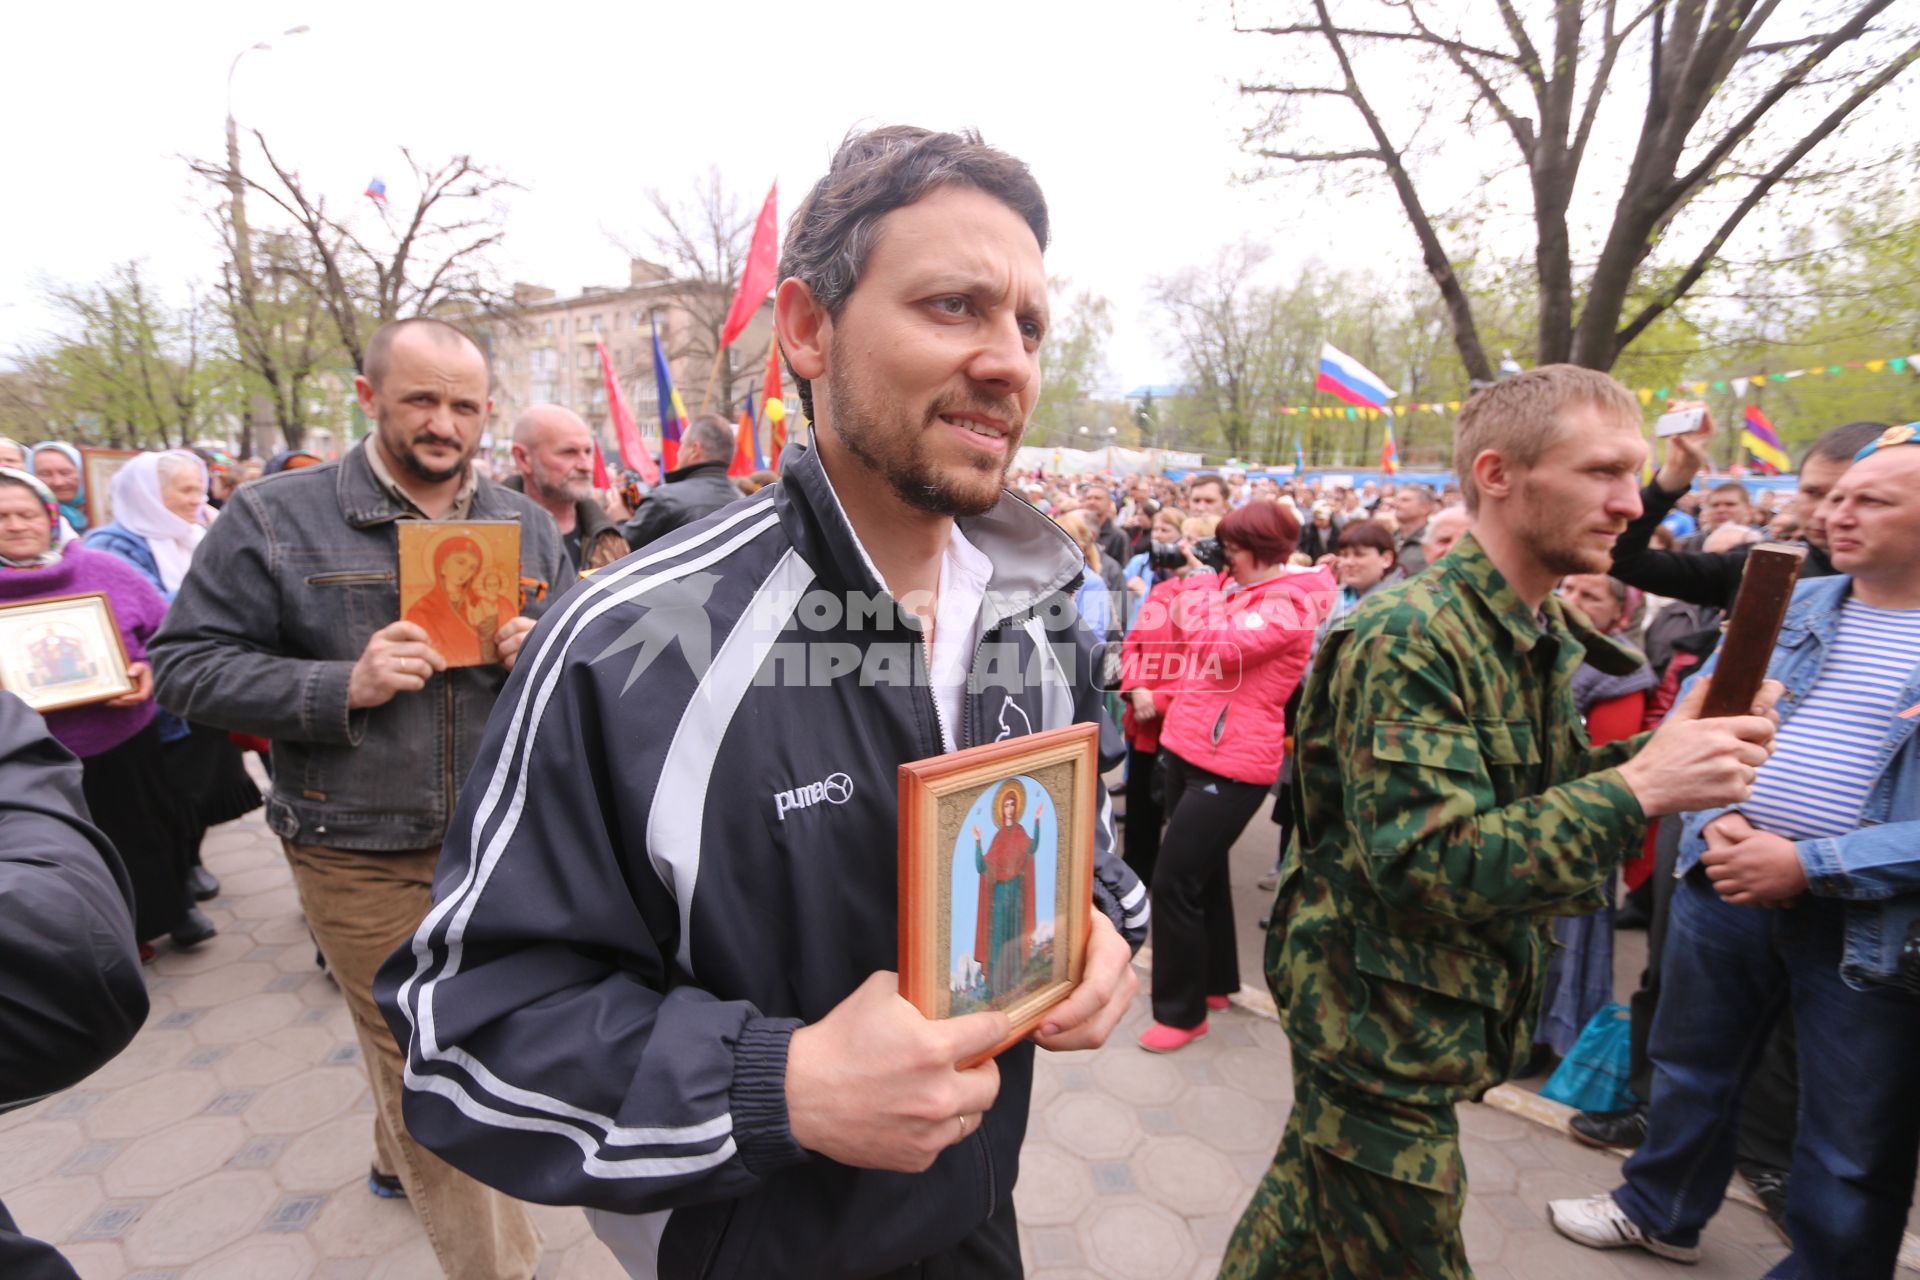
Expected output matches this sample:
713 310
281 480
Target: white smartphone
1679 423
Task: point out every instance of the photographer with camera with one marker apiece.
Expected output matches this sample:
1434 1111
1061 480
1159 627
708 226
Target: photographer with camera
1242 635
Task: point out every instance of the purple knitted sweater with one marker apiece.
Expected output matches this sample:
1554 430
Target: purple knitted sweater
137 608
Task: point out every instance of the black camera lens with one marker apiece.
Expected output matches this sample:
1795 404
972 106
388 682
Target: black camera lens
1210 553
1163 557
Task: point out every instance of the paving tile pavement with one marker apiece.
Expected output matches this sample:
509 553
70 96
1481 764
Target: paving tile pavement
232 1140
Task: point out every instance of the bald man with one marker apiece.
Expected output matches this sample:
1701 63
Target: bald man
553 465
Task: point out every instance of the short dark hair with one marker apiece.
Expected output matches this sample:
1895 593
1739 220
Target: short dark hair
1207 477
713 433
872 174
1367 533
1839 444
379 351
1732 486
1263 527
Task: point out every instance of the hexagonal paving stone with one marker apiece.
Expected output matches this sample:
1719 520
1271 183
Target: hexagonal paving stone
164 1100
298 1104
1189 1178
1142 1079
220 986
1054 1187
1092 1126
1228 1120
32 1150
270 905
173 1157
154 1050
1134 1238
278 1257
589 1260
101 1260
1255 1071
197 1220
252 1066
329 1156
247 1019
54 1208
222 949
364 1226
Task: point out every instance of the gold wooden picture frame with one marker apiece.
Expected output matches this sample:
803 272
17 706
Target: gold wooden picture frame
460 582
62 651
98 466
996 876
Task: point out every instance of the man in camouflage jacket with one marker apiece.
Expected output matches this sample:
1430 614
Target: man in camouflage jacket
1449 804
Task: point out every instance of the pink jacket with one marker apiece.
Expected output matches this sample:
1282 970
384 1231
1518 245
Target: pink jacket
1248 650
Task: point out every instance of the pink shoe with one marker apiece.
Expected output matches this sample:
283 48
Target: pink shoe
1160 1038
1219 1002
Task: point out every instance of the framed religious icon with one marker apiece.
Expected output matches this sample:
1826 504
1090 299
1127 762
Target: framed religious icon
97 470
62 651
460 581
996 875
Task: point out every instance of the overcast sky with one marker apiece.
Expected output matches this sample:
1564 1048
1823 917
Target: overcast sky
1126 111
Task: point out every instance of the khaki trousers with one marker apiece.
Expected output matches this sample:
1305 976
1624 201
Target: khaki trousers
361 908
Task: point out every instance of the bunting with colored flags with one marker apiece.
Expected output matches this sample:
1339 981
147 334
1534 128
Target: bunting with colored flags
1389 452
626 433
673 414
774 406
756 279
1763 442
746 443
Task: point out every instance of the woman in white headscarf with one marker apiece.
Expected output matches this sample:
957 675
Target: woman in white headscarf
160 514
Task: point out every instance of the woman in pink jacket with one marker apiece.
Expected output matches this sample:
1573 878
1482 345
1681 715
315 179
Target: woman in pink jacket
1246 634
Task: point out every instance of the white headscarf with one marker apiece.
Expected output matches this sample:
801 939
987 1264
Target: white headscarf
139 508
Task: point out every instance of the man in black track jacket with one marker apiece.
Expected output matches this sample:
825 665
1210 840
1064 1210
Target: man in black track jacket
658 977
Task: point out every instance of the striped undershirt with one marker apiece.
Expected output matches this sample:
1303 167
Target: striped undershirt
1823 760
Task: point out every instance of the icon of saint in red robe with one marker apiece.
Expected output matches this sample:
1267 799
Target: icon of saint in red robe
1003 934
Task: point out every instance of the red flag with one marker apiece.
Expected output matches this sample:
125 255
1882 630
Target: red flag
633 451
775 407
743 443
601 480
1389 452
757 279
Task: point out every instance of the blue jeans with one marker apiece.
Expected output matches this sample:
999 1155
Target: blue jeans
1729 971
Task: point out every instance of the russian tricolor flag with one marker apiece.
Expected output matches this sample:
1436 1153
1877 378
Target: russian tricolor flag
1343 376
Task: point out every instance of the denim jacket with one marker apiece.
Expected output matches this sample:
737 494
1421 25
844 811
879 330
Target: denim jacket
1875 870
291 582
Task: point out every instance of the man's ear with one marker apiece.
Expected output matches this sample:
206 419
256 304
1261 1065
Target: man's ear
805 328
363 392
1493 474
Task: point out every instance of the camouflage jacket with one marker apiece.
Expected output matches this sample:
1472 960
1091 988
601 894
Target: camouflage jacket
1449 804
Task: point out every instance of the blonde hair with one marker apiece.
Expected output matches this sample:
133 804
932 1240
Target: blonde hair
1079 527
1172 516
1199 526
1519 417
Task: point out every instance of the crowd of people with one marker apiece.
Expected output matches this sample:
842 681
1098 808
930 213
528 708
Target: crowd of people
589 961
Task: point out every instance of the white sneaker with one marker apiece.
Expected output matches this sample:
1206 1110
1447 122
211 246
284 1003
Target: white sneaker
1599 1223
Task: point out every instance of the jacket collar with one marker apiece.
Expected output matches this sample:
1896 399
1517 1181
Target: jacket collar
1468 565
712 466
1032 557
366 502
1815 610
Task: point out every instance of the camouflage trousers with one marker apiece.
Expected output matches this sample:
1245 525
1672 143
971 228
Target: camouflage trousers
1319 1216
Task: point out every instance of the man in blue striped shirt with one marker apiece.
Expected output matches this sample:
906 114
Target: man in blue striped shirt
1832 833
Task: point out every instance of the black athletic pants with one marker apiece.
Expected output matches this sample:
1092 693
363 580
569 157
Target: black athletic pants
1194 951
1140 846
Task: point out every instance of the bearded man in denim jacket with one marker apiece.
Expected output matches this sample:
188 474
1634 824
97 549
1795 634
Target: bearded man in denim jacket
1832 832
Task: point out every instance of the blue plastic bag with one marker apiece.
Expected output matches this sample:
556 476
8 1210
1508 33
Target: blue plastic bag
1594 1076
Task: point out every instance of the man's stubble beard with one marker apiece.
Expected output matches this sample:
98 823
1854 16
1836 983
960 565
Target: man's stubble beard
1548 537
897 458
413 466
